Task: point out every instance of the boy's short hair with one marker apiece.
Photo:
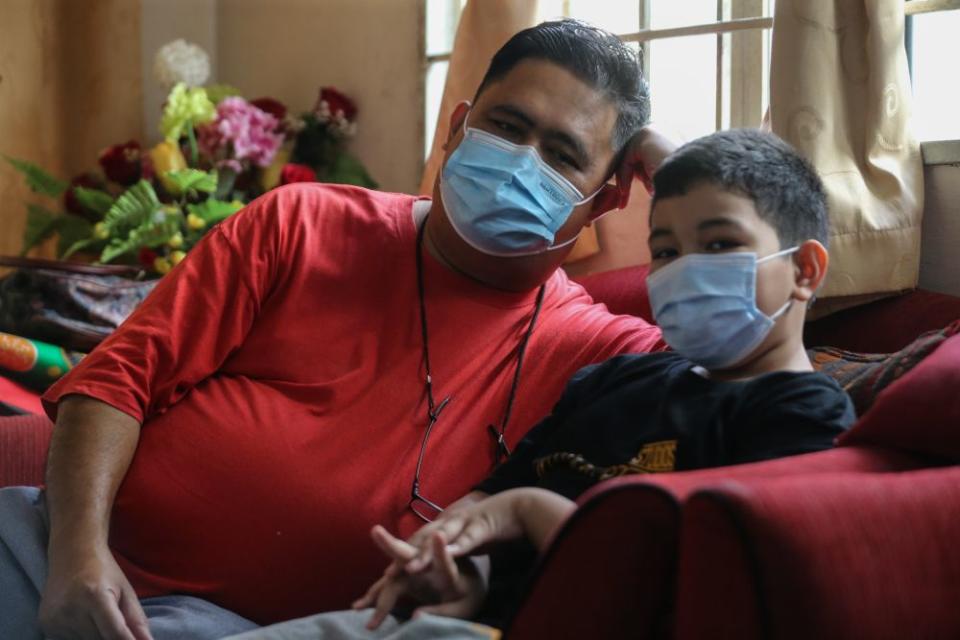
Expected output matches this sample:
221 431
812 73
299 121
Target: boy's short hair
784 187
596 57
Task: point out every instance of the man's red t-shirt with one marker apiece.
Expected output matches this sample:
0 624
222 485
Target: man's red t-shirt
278 375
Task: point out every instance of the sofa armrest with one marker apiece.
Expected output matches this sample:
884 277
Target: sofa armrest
24 441
831 556
608 572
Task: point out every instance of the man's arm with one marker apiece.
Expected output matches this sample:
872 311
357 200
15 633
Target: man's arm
86 594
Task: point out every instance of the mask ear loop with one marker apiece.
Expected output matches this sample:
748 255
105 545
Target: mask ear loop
789 303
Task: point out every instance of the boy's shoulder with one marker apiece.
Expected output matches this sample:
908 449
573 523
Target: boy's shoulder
622 368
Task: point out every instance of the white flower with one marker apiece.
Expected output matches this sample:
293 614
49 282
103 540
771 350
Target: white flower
181 61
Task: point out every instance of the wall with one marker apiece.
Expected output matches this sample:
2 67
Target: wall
69 86
367 48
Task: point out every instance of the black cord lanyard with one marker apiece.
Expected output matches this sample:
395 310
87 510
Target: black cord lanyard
497 434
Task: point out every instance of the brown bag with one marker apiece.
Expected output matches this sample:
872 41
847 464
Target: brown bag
68 304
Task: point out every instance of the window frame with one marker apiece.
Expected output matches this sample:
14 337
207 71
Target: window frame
738 103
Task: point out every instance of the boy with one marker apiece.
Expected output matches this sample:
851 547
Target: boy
738 233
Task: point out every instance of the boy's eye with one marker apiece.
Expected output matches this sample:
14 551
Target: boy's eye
663 254
721 245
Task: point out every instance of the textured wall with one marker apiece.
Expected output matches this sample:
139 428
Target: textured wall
367 48
69 85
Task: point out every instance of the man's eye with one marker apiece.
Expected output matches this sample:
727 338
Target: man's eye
565 160
507 128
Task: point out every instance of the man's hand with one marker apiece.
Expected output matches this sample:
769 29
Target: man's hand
87 596
643 156
450 587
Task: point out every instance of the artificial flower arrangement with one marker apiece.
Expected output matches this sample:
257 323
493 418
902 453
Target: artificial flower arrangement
219 152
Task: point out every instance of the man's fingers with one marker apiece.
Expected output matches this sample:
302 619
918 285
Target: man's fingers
443 558
133 614
395 548
108 619
449 529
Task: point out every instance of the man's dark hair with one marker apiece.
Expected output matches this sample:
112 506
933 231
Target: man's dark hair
784 187
595 56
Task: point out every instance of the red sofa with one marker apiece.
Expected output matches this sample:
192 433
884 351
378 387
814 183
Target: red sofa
859 541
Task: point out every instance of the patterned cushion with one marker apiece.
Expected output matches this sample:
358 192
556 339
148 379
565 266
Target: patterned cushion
864 375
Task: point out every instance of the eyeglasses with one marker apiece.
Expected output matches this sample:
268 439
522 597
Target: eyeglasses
426 509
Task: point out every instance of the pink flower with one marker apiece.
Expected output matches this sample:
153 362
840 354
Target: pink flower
240 132
293 172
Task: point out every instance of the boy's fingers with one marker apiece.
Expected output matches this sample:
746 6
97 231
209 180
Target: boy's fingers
471 537
368 598
443 558
385 600
449 529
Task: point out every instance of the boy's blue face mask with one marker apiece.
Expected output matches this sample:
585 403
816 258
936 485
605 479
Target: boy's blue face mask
503 199
706 306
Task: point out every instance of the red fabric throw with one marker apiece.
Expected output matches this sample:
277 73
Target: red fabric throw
16 395
278 370
920 412
832 556
623 290
23 449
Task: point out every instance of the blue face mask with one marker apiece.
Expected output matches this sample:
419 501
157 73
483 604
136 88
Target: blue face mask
706 306
503 199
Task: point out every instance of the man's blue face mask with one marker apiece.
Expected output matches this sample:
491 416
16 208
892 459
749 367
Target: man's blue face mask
503 199
706 306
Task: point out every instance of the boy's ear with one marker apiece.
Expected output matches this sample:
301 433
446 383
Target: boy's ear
810 268
457 118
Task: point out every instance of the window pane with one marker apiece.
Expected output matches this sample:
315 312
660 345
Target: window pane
436 77
683 85
549 10
665 14
936 95
618 16
442 18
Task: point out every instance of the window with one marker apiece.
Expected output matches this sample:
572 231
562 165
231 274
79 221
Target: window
933 49
708 60
728 39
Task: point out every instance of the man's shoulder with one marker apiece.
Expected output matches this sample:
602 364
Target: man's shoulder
306 206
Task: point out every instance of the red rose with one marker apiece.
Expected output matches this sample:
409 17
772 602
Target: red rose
70 202
121 163
146 257
297 173
271 106
337 102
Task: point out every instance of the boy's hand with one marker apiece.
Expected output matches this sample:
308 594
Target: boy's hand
643 156
453 588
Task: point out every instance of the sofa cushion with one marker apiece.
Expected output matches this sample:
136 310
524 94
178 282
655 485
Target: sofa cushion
24 441
865 375
920 412
624 291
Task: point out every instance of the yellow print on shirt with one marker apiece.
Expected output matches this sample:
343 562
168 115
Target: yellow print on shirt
655 457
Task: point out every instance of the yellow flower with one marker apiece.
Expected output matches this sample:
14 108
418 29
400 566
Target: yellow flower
175 242
176 257
195 222
100 231
185 107
167 157
270 177
161 265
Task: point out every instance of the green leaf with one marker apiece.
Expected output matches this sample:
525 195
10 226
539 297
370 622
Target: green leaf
79 245
72 229
185 180
133 208
152 233
213 211
38 180
95 200
41 224
346 169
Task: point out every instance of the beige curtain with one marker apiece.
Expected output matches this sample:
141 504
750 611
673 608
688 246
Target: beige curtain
840 93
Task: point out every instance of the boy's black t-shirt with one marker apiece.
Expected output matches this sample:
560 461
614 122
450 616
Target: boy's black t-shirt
654 413
657 412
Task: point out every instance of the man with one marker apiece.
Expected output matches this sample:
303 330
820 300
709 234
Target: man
328 359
